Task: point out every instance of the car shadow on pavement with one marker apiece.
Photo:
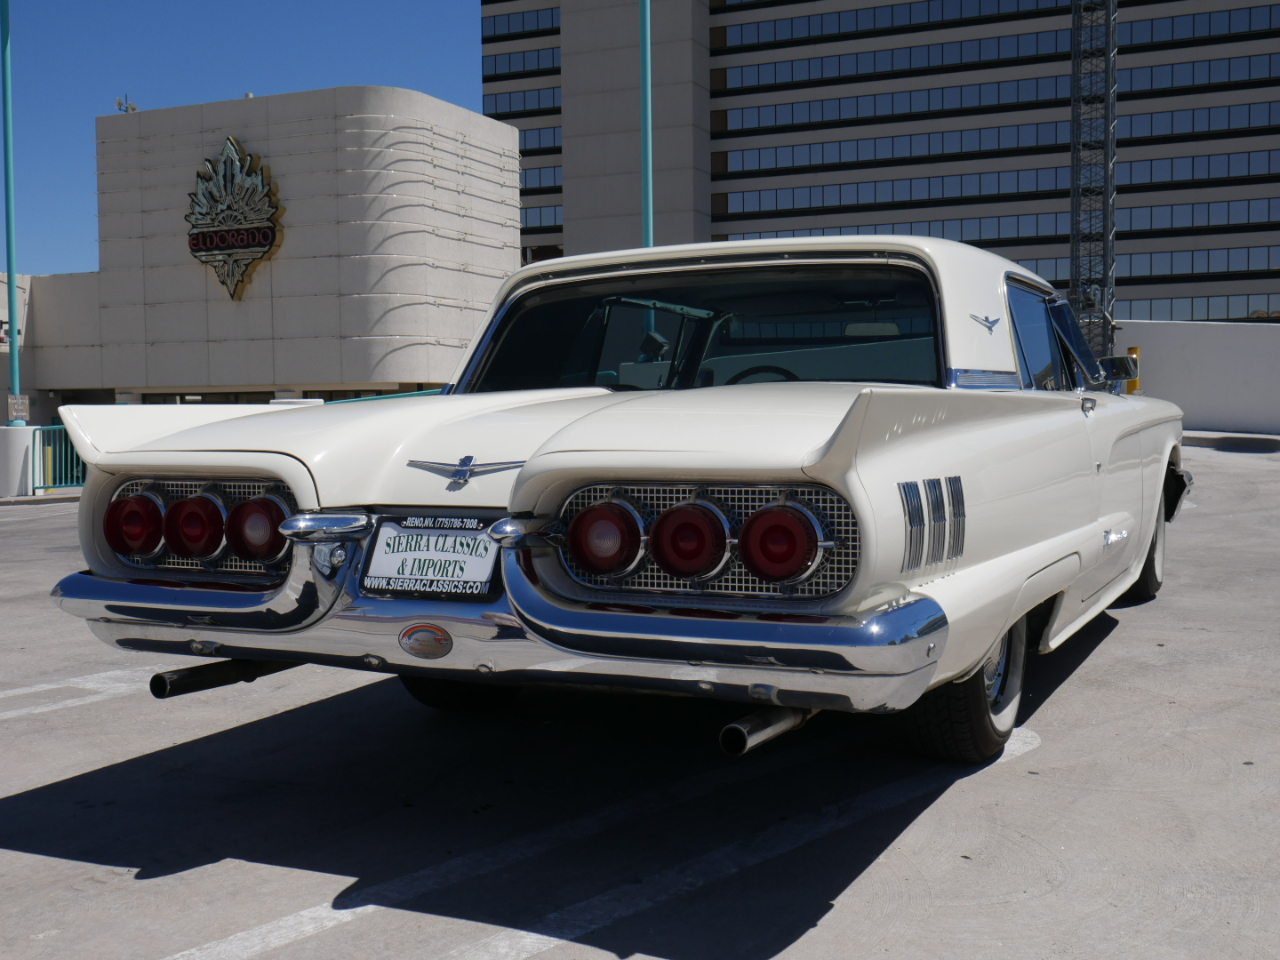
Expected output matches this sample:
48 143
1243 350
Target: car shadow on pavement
371 785
1046 673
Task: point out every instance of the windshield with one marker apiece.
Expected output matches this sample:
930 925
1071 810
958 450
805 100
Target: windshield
748 325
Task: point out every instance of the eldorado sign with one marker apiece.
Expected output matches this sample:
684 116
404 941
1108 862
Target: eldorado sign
232 215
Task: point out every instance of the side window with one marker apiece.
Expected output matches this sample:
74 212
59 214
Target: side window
1039 354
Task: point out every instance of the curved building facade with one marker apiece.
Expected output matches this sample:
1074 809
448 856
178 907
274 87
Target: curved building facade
330 243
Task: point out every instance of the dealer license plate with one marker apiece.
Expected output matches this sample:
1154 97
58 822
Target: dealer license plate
444 557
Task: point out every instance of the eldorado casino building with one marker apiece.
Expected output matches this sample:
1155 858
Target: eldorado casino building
331 243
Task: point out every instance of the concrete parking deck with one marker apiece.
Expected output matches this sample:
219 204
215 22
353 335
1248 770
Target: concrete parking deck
322 814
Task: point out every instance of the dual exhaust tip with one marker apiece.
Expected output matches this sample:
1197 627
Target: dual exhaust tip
736 738
760 727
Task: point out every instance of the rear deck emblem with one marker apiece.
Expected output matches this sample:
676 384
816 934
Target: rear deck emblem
466 468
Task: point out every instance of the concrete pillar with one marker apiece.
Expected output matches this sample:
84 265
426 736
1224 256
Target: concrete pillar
600 82
15 461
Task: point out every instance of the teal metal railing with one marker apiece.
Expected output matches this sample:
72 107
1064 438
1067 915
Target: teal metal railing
54 461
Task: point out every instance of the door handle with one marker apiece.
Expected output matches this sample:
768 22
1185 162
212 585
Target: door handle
1087 404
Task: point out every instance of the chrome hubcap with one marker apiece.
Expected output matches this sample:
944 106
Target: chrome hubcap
993 671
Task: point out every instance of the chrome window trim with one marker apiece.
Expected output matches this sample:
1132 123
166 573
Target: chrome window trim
984 379
1032 286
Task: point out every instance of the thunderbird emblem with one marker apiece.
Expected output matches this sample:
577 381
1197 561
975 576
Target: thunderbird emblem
989 324
466 468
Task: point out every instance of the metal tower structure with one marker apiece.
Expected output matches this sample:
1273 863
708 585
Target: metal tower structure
1093 164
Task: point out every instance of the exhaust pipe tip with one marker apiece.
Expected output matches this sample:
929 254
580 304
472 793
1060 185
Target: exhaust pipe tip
160 685
751 731
174 683
733 739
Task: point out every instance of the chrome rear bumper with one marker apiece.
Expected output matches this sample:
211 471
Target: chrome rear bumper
882 661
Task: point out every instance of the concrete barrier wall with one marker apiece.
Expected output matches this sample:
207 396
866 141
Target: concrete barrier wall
1225 376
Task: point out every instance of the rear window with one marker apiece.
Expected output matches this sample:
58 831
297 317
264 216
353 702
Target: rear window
683 331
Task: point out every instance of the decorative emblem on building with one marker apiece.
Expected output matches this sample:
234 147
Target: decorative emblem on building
232 215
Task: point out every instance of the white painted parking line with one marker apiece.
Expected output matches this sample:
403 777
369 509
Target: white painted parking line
561 926
622 902
113 683
304 923
1020 741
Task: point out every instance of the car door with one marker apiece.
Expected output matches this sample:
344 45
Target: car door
1061 433
1114 427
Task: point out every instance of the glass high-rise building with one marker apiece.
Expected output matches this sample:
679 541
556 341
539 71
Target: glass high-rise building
942 117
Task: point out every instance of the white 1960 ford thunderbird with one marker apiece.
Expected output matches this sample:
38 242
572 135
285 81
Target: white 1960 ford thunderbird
853 473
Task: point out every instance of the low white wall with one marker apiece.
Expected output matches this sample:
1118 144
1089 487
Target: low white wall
15 461
1222 375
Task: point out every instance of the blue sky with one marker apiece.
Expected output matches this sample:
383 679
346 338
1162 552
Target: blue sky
72 58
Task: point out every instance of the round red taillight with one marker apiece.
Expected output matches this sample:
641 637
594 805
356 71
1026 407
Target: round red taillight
605 539
133 526
778 543
253 529
193 528
689 541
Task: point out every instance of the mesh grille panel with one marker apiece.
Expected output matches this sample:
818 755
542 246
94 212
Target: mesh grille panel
230 492
738 502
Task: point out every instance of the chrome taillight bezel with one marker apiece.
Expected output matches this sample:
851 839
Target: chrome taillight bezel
159 504
220 513
832 569
819 543
637 518
719 519
284 541
227 493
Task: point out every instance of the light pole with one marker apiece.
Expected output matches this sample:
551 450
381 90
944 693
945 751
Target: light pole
10 256
646 127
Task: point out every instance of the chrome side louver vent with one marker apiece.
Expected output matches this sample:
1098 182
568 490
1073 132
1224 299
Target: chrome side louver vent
942 532
913 509
955 491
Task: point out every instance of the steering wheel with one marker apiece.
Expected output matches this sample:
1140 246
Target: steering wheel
741 375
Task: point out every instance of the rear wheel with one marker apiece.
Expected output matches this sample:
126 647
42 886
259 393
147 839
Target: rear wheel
1151 579
459 696
970 721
